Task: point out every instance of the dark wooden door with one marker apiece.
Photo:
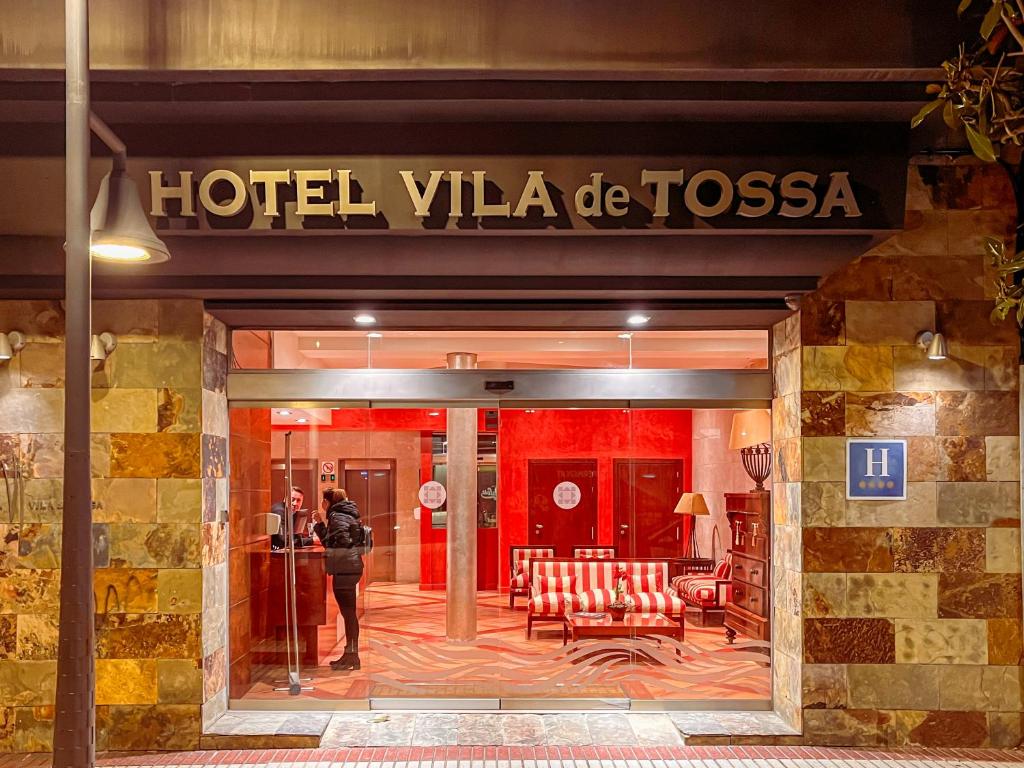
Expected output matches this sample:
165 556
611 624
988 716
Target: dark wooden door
372 492
549 524
646 492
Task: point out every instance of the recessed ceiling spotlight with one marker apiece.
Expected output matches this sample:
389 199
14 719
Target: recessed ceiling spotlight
364 318
638 319
434 413
317 344
301 421
284 413
625 336
375 335
530 410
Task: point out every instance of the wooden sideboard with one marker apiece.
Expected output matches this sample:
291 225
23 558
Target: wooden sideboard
749 610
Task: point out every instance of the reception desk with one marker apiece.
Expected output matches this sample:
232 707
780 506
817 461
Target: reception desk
315 606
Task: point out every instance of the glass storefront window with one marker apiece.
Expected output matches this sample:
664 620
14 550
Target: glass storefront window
576 513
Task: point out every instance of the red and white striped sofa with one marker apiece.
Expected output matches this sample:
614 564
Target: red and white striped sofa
566 585
707 591
519 564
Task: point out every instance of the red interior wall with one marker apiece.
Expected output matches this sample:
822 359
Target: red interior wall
604 435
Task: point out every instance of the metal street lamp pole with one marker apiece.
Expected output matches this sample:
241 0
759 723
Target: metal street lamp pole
74 743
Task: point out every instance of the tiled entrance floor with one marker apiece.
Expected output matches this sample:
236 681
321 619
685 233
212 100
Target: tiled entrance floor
429 729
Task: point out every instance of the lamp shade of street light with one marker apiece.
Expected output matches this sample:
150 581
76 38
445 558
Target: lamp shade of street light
120 229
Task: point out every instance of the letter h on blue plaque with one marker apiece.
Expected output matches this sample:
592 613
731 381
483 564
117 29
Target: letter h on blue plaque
876 469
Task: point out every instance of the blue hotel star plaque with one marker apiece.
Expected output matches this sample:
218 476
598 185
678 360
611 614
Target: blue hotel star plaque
876 469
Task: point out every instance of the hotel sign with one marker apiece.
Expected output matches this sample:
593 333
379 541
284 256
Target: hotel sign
705 194
392 193
876 469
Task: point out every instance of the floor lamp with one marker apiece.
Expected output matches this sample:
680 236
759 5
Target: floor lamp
692 504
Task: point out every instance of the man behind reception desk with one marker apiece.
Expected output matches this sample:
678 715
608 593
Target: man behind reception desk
278 541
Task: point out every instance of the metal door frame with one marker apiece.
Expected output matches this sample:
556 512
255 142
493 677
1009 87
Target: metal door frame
578 388
548 388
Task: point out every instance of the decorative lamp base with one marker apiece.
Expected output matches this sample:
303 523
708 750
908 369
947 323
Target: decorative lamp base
757 462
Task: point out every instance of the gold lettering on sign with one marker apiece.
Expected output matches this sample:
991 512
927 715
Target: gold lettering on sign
159 194
535 193
798 186
421 202
269 180
725 192
345 205
661 181
748 190
706 194
237 201
839 194
482 208
310 202
593 208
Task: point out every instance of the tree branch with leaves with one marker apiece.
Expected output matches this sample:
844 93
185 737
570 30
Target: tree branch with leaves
983 95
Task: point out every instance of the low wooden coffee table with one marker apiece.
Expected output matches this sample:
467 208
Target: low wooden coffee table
577 627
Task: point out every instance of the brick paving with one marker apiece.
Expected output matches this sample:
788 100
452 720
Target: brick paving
558 757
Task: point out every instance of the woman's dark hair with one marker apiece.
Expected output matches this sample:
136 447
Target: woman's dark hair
334 495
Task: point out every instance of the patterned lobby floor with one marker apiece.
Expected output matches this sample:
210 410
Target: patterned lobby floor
405 655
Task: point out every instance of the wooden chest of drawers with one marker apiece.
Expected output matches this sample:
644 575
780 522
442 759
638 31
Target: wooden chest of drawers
749 611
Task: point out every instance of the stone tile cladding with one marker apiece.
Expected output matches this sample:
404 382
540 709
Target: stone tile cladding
899 623
160 495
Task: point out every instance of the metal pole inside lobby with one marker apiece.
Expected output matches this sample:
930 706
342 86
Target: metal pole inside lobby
74 741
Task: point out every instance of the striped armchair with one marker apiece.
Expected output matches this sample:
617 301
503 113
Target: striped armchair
707 591
519 564
565 585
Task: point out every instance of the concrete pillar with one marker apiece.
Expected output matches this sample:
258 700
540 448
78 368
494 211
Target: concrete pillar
462 493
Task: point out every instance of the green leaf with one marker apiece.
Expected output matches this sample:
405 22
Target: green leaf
996 316
964 5
981 145
949 115
926 110
1020 314
995 247
992 19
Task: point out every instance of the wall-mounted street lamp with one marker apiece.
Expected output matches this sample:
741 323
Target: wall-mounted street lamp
102 345
10 344
116 228
120 229
935 343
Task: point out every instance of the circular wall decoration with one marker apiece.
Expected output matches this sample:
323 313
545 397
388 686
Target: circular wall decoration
567 495
432 494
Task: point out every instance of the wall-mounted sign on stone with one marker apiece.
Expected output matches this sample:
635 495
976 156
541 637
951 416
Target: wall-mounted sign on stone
876 469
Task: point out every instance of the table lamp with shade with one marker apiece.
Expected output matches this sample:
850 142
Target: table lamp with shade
692 504
751 435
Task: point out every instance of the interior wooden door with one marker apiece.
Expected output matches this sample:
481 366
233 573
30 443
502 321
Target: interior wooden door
372 491
646 492
551 525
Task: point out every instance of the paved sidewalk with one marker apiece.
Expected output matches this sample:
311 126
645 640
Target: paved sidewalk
560 757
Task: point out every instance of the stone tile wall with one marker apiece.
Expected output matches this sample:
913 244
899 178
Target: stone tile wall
903 617
156 531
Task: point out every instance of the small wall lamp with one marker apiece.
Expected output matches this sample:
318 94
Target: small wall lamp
102 345
10 344
935 343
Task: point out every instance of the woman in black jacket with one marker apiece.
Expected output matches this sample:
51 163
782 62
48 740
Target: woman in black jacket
342 534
